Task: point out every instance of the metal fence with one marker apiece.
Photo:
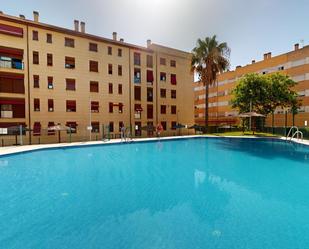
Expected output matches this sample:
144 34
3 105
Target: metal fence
20 135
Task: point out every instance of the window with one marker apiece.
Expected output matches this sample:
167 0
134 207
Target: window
162 61
73 126
36 129
163 93
138 109
36 81
138 129
173 109
163 109
50 132
149 61
95 127
71 105
110 68
50 82
36 105
120 108
149 94
137 59
173 63
119 52
69 62
93 66
50 103
111 126
94 106
93 47
35 58
149 111
109 50
119 70
70 84
110 88
137 93
110 107
69 42
163 125
162 76
49 59
137 75
173 94
49 38
35 35
173 125
94 86
149 76
173 79
119 88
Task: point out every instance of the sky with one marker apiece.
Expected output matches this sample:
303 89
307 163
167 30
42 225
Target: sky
250 27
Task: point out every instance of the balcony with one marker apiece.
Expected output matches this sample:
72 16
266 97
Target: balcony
137 79
11 63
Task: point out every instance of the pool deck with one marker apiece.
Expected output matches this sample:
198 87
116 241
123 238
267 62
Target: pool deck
25 148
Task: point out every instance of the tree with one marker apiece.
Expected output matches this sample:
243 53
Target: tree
265 93
209 58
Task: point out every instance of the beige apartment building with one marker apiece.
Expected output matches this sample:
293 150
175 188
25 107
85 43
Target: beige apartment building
55 76
294 63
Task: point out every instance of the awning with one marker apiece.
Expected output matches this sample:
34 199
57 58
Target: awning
12 101
11 52
11 30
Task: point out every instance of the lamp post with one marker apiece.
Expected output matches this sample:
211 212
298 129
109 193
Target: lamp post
90 127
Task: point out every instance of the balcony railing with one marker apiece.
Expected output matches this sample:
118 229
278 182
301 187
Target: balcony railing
12 64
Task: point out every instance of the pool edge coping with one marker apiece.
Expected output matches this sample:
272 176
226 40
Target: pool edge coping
11 150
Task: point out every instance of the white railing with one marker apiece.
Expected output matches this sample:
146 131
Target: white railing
297 132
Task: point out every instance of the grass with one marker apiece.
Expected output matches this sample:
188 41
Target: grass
246 133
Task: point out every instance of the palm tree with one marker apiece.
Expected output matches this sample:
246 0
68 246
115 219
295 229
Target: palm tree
209 58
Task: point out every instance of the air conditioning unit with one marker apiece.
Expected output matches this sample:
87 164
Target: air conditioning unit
6 114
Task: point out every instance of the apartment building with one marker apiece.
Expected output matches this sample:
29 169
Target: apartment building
55 76
294 63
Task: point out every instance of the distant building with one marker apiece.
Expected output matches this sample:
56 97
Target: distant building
294 63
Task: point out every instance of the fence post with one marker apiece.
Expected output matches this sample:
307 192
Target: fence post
21 134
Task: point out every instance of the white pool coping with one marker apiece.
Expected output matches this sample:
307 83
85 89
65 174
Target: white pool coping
26 148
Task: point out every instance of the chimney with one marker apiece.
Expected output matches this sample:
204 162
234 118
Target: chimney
253 61
296 46
148 43
1 12
115 36
121 39
76 25
22 17
238 67
35 16
265 56
82 27
269 55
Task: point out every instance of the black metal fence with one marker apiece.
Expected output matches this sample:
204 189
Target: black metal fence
17 136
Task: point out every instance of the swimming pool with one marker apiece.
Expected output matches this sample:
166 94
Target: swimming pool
191 193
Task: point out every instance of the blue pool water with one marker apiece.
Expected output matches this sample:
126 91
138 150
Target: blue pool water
186 194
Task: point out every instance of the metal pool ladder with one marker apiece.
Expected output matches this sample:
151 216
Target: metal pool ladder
297 132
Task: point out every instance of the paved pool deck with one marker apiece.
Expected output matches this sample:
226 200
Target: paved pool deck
25 148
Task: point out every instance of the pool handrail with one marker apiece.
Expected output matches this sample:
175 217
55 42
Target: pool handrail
291 129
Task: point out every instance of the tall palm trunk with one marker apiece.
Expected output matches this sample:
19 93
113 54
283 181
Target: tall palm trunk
206 106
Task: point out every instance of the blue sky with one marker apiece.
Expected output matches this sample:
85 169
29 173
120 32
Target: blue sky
250 28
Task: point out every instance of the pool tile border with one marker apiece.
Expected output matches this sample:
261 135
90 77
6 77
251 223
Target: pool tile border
12 150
